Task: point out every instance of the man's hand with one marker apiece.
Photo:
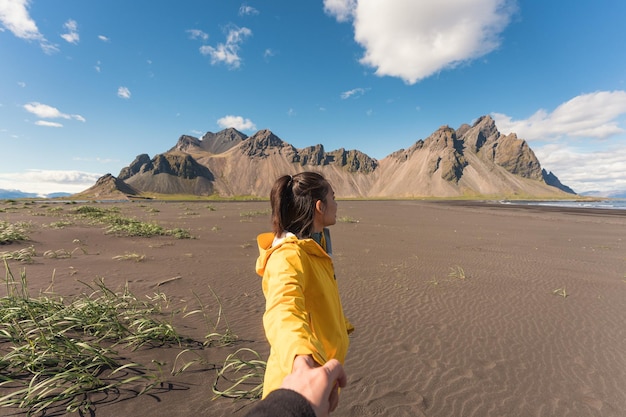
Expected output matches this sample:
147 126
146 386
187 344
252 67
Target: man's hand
318 384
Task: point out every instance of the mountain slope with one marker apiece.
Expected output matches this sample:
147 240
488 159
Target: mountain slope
471 161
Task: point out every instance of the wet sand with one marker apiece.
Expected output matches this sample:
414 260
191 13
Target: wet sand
460 308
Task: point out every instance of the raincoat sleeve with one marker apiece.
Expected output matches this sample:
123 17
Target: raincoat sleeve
286 320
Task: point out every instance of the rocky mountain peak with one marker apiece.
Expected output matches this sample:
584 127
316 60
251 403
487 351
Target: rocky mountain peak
354 160
141 163
260 144
222 141
187 143
180 165
482 132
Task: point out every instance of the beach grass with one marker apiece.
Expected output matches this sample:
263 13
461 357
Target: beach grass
56 352
13 232
24 255
124 226
241 376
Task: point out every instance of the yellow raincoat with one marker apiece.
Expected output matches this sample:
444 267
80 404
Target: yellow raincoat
303 313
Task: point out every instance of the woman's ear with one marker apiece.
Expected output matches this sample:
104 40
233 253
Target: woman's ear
319 206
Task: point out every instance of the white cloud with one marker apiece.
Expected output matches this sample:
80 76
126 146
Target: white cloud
15 17
413 40
45 111
343 10
246 10
197 34
237 122
72 35
123 92
592 115
355 92
21 84
565 135
48 124
103 38
48 181
228 53
599 170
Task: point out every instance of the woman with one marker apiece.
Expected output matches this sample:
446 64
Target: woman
303 313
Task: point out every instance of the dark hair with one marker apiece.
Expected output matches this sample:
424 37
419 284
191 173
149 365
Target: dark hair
293 201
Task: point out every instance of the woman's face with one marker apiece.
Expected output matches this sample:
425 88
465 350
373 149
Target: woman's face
329 212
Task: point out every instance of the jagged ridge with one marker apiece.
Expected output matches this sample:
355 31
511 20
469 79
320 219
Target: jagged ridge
472 160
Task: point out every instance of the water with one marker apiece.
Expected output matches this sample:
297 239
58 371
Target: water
612 204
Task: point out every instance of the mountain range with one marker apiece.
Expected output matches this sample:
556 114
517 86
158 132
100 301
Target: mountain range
471 161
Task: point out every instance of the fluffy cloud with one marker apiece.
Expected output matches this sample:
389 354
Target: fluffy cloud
564 134
123 92
15 17
415 39
48 181
228 52
45 111
343 10
601 170
355 92
72 35
103 38
237 122
591 115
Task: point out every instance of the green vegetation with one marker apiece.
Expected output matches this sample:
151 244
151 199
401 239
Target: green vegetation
13 232
25 255
60 224
56 351
255 213
242 374
124 226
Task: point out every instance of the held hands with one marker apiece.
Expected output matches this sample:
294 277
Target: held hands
318 384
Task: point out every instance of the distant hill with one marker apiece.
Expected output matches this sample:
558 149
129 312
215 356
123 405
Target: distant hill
471 161
11 194
109 188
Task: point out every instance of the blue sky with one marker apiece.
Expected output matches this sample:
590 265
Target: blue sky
87 86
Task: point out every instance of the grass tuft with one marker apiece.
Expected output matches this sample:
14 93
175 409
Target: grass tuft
457 272
25 255
241 376
13 232
123 226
